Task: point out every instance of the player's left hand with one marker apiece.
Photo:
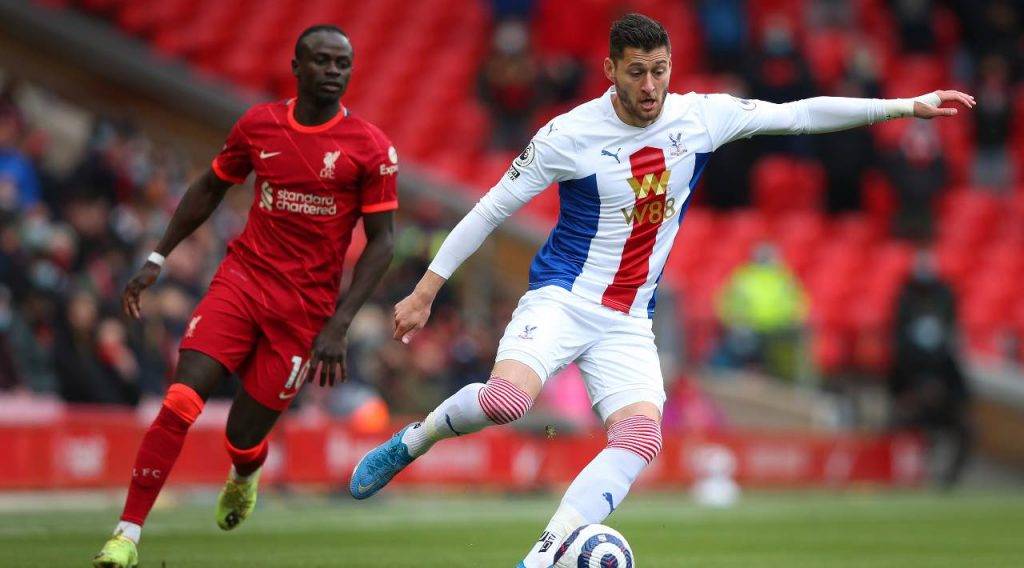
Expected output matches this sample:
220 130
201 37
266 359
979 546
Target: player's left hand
924 110
327 360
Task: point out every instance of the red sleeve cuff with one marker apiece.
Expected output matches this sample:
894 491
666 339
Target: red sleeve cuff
223 175
378 207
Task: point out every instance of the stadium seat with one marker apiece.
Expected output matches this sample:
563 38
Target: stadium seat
143 18
827 52
781 184
912 75
830 350
857 230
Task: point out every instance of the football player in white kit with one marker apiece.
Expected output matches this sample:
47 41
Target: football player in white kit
626 165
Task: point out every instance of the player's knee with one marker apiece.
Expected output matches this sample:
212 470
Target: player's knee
200 372
638 434
504 402
183 401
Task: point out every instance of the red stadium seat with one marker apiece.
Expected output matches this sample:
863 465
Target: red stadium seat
947 29
692 247
912 75
568 27
878 196
857 229
143 18
781 184
830 350
827 52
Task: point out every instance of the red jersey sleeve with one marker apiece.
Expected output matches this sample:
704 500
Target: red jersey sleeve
234 162
379 191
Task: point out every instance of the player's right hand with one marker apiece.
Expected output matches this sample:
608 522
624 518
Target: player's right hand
411 314
143 279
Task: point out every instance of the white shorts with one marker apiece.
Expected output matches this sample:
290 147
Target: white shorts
553 327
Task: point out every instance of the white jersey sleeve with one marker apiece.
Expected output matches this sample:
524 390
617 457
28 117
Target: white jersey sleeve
728 118
549 158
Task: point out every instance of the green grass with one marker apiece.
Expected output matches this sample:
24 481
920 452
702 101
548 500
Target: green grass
785 530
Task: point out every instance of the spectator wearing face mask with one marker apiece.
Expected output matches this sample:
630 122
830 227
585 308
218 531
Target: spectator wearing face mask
992 165
928 388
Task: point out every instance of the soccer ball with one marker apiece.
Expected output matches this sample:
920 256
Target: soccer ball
594 546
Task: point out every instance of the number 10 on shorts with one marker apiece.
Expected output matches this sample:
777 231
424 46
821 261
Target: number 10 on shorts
297 376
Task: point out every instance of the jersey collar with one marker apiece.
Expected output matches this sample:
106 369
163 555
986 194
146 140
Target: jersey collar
342 113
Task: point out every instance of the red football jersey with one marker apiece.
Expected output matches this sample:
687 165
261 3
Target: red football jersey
312 184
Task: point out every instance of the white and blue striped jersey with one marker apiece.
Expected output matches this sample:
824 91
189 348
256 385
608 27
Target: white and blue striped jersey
624 190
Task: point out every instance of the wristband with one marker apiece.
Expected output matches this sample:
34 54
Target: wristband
156 258
902 108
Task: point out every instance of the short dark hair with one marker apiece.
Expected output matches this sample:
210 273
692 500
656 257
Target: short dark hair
312 30
639 31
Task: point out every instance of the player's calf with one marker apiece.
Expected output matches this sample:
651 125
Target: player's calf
159 450
633 443
153 462
471 409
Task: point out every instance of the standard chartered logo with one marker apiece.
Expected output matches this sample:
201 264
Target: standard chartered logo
296 201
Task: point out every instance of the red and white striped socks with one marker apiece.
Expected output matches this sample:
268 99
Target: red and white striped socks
638 434
503 402
473 408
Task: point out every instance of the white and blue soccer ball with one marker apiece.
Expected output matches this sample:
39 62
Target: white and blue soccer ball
594 546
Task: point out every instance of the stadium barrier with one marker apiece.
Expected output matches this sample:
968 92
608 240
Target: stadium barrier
90 449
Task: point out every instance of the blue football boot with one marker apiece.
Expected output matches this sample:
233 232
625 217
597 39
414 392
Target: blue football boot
379 466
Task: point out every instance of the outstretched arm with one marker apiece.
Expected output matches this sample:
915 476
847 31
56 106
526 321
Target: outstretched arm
729 118
196 206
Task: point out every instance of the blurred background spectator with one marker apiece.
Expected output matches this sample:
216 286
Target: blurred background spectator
509 85
993 167
918 172
763 309
928 387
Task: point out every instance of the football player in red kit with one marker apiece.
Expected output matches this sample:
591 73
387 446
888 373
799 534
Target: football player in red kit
272 313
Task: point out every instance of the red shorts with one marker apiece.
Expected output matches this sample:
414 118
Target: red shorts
268 352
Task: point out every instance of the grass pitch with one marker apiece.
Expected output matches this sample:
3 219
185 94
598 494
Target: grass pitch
785 530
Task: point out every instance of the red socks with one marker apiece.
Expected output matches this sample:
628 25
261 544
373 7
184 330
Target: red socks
159 450
246 462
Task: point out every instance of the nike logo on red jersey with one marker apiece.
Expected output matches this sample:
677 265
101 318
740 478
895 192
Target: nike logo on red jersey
264 154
